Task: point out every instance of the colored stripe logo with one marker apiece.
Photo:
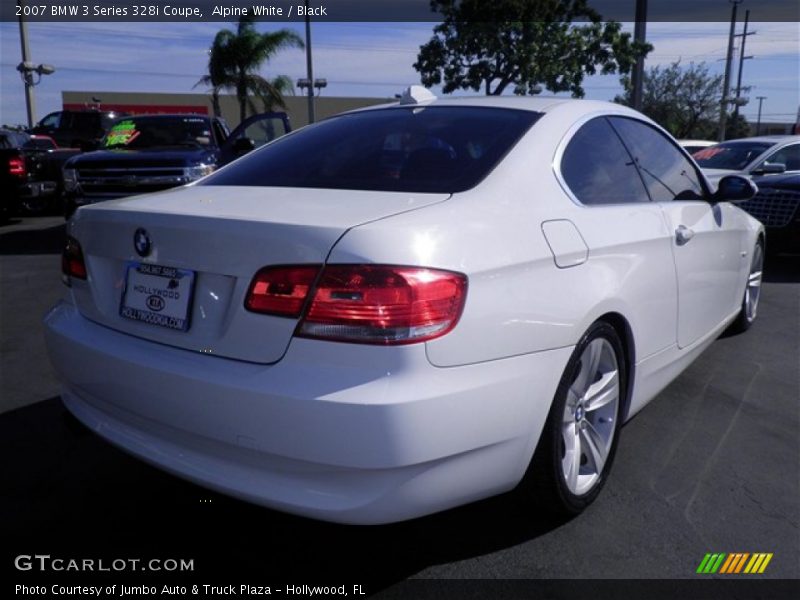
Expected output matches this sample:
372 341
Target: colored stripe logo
734 563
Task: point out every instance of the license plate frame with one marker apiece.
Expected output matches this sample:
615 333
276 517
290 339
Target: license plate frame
158 295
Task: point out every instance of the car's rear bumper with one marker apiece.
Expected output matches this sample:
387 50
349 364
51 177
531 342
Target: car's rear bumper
36 189
348 433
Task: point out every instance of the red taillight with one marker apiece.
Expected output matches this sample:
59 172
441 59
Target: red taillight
369 304
72 264
281 291
16 167
378 304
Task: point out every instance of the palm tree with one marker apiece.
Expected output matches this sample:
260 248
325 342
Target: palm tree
233 64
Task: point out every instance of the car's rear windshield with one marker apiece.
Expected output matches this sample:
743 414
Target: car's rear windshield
732 155
405 149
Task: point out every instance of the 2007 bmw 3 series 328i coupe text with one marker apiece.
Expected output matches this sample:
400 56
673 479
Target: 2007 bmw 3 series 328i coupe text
405 308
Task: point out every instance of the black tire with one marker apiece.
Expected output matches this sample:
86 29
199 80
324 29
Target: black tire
545 483
747 315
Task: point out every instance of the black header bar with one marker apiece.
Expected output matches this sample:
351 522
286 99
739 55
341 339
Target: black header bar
278 11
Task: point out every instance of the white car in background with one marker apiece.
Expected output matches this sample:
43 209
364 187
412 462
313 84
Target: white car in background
692 146
763 155
405 308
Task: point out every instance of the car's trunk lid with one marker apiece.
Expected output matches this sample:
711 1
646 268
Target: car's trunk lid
215 238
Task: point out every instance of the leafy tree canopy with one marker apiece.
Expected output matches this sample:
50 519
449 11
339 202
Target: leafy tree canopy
477 47
683 100
235 59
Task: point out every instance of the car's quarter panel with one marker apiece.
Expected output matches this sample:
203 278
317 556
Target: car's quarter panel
565 241
300 431
225 236
518 300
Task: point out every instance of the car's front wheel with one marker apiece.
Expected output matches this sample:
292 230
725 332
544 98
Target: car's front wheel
576 448
752 291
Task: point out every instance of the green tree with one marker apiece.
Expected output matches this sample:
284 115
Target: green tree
235 59
477 47
683 100
737 126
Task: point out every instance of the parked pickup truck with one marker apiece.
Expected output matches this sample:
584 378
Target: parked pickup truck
147 153
77 128
30 173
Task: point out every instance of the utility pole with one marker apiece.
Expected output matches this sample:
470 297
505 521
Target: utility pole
723 111
27 75
639 35
309 69
737 103
758 122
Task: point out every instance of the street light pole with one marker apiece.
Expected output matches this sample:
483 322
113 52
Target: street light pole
742 58
309 68
27 76
639 35
723 111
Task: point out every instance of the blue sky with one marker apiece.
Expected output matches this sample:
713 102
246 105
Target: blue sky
357 59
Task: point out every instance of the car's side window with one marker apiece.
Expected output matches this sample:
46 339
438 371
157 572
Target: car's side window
666 172
52 120
598 169
789 156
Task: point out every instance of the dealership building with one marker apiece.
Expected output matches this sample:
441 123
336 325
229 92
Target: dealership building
158 103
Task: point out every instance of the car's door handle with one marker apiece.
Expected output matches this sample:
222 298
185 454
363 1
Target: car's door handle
683 234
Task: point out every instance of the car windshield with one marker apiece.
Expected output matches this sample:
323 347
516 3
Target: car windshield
412 149
732 155
158 132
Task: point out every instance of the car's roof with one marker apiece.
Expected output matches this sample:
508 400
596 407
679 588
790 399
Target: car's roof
535 104
168 116
539 104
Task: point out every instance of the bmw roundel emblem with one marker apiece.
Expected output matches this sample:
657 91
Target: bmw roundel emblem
141 242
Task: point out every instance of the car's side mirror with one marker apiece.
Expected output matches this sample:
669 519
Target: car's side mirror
734 188
243 145
769 169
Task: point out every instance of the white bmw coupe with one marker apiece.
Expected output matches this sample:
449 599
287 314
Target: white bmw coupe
405 308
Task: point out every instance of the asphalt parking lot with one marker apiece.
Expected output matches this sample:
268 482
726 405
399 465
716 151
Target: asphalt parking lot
711 465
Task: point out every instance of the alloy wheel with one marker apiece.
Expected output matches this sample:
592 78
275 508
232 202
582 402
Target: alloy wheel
752 292
590 417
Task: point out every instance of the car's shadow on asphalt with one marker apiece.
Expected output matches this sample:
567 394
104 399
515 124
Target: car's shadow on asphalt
33 241
73 493
782 268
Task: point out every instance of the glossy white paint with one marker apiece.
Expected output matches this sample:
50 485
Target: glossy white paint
330 431
709 264
202 228
367 434
566 243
